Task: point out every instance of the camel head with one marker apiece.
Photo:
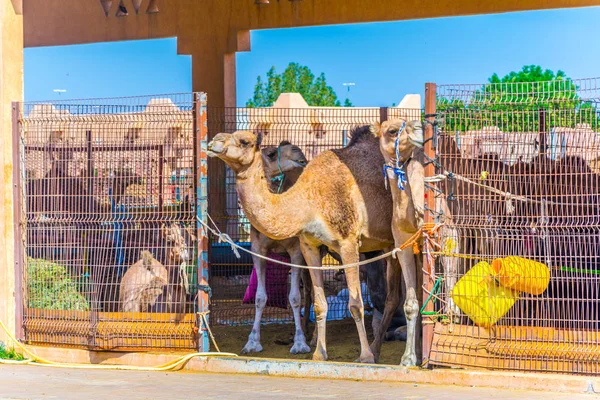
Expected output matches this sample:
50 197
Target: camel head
179 241
283 158
238 150
406 135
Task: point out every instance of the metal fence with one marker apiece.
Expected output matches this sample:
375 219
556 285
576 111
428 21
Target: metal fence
314 130
108 241
516 282
108 249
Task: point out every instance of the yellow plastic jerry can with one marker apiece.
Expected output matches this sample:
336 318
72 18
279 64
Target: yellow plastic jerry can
481 298
521 274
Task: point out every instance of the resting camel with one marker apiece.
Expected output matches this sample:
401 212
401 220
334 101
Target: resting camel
282 166
339 201
142 284
398 140
148 285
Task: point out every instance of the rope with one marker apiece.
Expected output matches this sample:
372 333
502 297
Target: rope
396 170
281 177
203 316
169 366
412 241
507 195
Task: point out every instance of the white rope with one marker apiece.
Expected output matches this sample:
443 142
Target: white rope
509 196
225 238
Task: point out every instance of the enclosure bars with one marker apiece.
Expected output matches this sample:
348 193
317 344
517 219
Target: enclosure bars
200 127
18 197
428 267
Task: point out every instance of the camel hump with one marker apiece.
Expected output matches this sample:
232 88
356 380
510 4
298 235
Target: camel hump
147 259
360 134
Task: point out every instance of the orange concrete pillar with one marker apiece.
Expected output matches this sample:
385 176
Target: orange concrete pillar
11 89
214 72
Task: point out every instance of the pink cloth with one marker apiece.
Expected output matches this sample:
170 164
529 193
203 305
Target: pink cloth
276 278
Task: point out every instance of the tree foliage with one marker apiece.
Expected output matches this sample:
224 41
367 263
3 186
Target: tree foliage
519 101
295 79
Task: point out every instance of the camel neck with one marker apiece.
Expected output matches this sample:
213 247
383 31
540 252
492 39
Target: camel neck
404 206
269 213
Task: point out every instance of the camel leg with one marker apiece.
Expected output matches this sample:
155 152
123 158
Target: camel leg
411 304
355 303
300 345
312 255
306 286
260 300
392 301
308 301
450 265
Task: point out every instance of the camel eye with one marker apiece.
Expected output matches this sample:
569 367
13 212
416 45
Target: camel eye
244 142
393 131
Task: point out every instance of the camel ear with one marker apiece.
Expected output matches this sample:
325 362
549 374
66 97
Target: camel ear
375 129
259 138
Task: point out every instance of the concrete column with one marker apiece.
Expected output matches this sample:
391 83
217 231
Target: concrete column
11 89
213 72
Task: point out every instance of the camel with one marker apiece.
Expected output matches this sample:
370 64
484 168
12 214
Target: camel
282 166
339 201
148 285
180 242
142 284
398 140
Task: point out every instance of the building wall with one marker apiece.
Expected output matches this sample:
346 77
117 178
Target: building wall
11 89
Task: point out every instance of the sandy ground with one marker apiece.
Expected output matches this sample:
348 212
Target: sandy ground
33 383
276 339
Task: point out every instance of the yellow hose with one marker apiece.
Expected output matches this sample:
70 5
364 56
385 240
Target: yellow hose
39 361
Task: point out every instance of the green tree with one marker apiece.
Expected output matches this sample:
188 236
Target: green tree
295 79
518 101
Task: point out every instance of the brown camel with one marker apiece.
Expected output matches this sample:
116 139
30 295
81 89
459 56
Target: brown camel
398 140
148 285
142 284
339 201
282 167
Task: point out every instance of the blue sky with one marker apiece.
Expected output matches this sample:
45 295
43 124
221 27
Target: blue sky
385 60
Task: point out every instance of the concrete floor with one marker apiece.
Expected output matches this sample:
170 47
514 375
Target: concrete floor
31 382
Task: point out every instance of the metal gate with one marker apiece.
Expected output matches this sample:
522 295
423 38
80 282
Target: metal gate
109 250
516 284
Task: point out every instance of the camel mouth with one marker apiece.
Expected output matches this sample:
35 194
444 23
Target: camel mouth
215 149
298 164
417 142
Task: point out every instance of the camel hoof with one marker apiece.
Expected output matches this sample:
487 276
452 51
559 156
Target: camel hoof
300 348
319 356
367 358
408 360
252 347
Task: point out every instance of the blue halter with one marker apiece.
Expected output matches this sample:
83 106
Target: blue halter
397 170
281 177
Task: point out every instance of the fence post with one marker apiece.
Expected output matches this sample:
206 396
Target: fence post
543 135
383 114
201 176
430 110
161 178
18 219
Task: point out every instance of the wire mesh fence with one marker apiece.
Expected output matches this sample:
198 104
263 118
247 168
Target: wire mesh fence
233 282
517 270
109 239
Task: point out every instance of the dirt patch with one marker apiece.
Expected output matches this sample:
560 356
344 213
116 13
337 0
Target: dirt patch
342 341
